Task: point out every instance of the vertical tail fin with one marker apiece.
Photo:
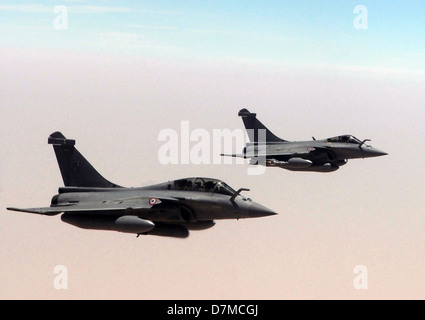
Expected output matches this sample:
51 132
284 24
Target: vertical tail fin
75 169
253 125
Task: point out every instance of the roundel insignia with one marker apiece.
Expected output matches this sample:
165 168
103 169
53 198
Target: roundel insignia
153 201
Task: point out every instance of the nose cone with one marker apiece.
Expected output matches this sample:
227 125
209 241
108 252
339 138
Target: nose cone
257 210
369 152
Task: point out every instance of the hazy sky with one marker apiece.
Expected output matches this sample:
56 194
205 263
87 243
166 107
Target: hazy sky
113 74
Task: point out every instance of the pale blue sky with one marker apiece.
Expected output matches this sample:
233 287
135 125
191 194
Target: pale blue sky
306 32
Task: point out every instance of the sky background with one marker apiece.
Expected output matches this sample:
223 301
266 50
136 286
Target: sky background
122 71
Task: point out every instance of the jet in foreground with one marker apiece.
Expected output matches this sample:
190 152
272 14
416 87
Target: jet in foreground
168 209
325 155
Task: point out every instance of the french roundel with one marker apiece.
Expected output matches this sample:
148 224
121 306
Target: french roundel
152 201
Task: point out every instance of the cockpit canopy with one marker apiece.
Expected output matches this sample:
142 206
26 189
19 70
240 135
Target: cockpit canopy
203 185
345 139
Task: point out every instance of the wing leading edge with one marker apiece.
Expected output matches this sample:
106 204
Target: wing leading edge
145 203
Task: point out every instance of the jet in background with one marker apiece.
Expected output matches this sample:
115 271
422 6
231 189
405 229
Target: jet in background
167 209
325 155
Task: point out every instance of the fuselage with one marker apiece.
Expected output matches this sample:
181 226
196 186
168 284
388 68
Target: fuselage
177 203
306 149
314 155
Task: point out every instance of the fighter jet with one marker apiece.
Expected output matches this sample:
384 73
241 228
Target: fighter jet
324 155
169 209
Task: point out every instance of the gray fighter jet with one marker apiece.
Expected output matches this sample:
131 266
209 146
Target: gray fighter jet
168 209
325 155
